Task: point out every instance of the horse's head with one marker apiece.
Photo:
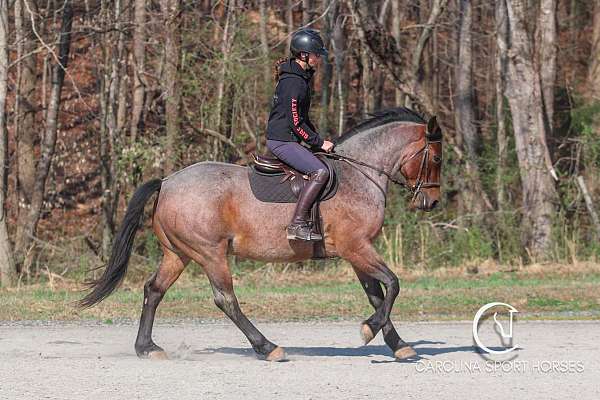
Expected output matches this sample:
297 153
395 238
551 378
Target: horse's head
421 165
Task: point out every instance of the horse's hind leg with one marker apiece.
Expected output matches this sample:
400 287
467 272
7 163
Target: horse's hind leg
375 295
213 260
155 288
224 296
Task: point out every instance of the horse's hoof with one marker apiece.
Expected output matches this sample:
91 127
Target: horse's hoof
404 353
366 333
158 355
278 354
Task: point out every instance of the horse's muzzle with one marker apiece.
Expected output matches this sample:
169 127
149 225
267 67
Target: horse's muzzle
423 202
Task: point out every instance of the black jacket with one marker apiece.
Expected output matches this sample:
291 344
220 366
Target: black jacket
289 120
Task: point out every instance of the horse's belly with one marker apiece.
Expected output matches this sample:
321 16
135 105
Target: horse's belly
269 243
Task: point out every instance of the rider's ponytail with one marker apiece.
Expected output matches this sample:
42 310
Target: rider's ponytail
276 66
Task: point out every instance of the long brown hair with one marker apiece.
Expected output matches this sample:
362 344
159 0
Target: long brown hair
276 66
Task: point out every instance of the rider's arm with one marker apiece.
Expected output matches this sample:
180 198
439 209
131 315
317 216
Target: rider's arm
291 95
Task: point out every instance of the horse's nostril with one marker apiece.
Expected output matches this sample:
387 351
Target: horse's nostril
434 204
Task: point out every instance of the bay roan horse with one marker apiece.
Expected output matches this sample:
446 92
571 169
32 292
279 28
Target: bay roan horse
207 211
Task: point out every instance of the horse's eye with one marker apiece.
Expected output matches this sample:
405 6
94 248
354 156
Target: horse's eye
437 159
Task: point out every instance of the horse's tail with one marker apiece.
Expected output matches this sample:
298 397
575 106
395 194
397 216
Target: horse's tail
117 265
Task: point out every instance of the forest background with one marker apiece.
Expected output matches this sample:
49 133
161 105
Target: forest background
97 96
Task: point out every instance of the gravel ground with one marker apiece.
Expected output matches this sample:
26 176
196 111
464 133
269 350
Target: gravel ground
212 360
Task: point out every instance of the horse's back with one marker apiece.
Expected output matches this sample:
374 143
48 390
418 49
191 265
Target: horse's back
194 196
211 173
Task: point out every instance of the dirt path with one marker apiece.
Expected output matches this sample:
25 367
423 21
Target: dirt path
213 360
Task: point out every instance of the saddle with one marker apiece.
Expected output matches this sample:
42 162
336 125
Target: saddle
273 181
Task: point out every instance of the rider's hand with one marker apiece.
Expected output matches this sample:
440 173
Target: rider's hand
327 146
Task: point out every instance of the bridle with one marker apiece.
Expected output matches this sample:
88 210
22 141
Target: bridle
420 182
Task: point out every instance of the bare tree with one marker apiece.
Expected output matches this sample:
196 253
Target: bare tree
366 103
26 13
474 198
171 84
307 12
525 98
49 139
594 66
379 80
264 44
501 60
464 99
397 14
386 51
7 266
327 68
437 9
139 64
113 102
289 19
339 51
547 51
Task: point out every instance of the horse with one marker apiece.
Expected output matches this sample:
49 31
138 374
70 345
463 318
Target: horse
207 211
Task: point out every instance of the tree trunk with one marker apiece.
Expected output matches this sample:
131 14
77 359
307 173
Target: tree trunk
396 20
306 12
26 132
289 18
224 88
7 266
525 99
366 104
326 68
463 99
501 60
139 64
113 106
49 140
378 74
339 51
472 193
594 67
171 85
264 44
547 50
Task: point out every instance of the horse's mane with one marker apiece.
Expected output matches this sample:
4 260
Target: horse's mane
382 117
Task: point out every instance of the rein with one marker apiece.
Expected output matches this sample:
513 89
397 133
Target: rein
414 189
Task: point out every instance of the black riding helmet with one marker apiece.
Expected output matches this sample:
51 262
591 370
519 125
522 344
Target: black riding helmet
307 41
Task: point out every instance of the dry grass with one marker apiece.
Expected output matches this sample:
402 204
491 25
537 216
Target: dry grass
280 293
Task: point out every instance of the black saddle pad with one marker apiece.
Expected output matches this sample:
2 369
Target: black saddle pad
268 188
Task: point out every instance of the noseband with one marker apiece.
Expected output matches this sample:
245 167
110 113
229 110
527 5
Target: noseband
420 183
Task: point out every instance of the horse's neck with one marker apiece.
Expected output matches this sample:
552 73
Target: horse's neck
373 150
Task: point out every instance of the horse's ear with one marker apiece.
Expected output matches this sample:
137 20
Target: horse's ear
433 129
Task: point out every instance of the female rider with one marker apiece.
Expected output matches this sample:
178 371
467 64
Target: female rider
289 124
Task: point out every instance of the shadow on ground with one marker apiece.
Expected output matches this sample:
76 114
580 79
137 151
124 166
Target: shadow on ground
363 351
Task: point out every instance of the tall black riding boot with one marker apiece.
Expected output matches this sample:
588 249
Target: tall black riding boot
300 228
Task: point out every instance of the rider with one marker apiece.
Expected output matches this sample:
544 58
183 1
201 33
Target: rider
289 124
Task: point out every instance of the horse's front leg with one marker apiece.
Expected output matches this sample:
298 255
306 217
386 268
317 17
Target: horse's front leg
375 295
368 263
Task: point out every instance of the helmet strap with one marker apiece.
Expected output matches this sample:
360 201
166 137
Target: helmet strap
304 57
